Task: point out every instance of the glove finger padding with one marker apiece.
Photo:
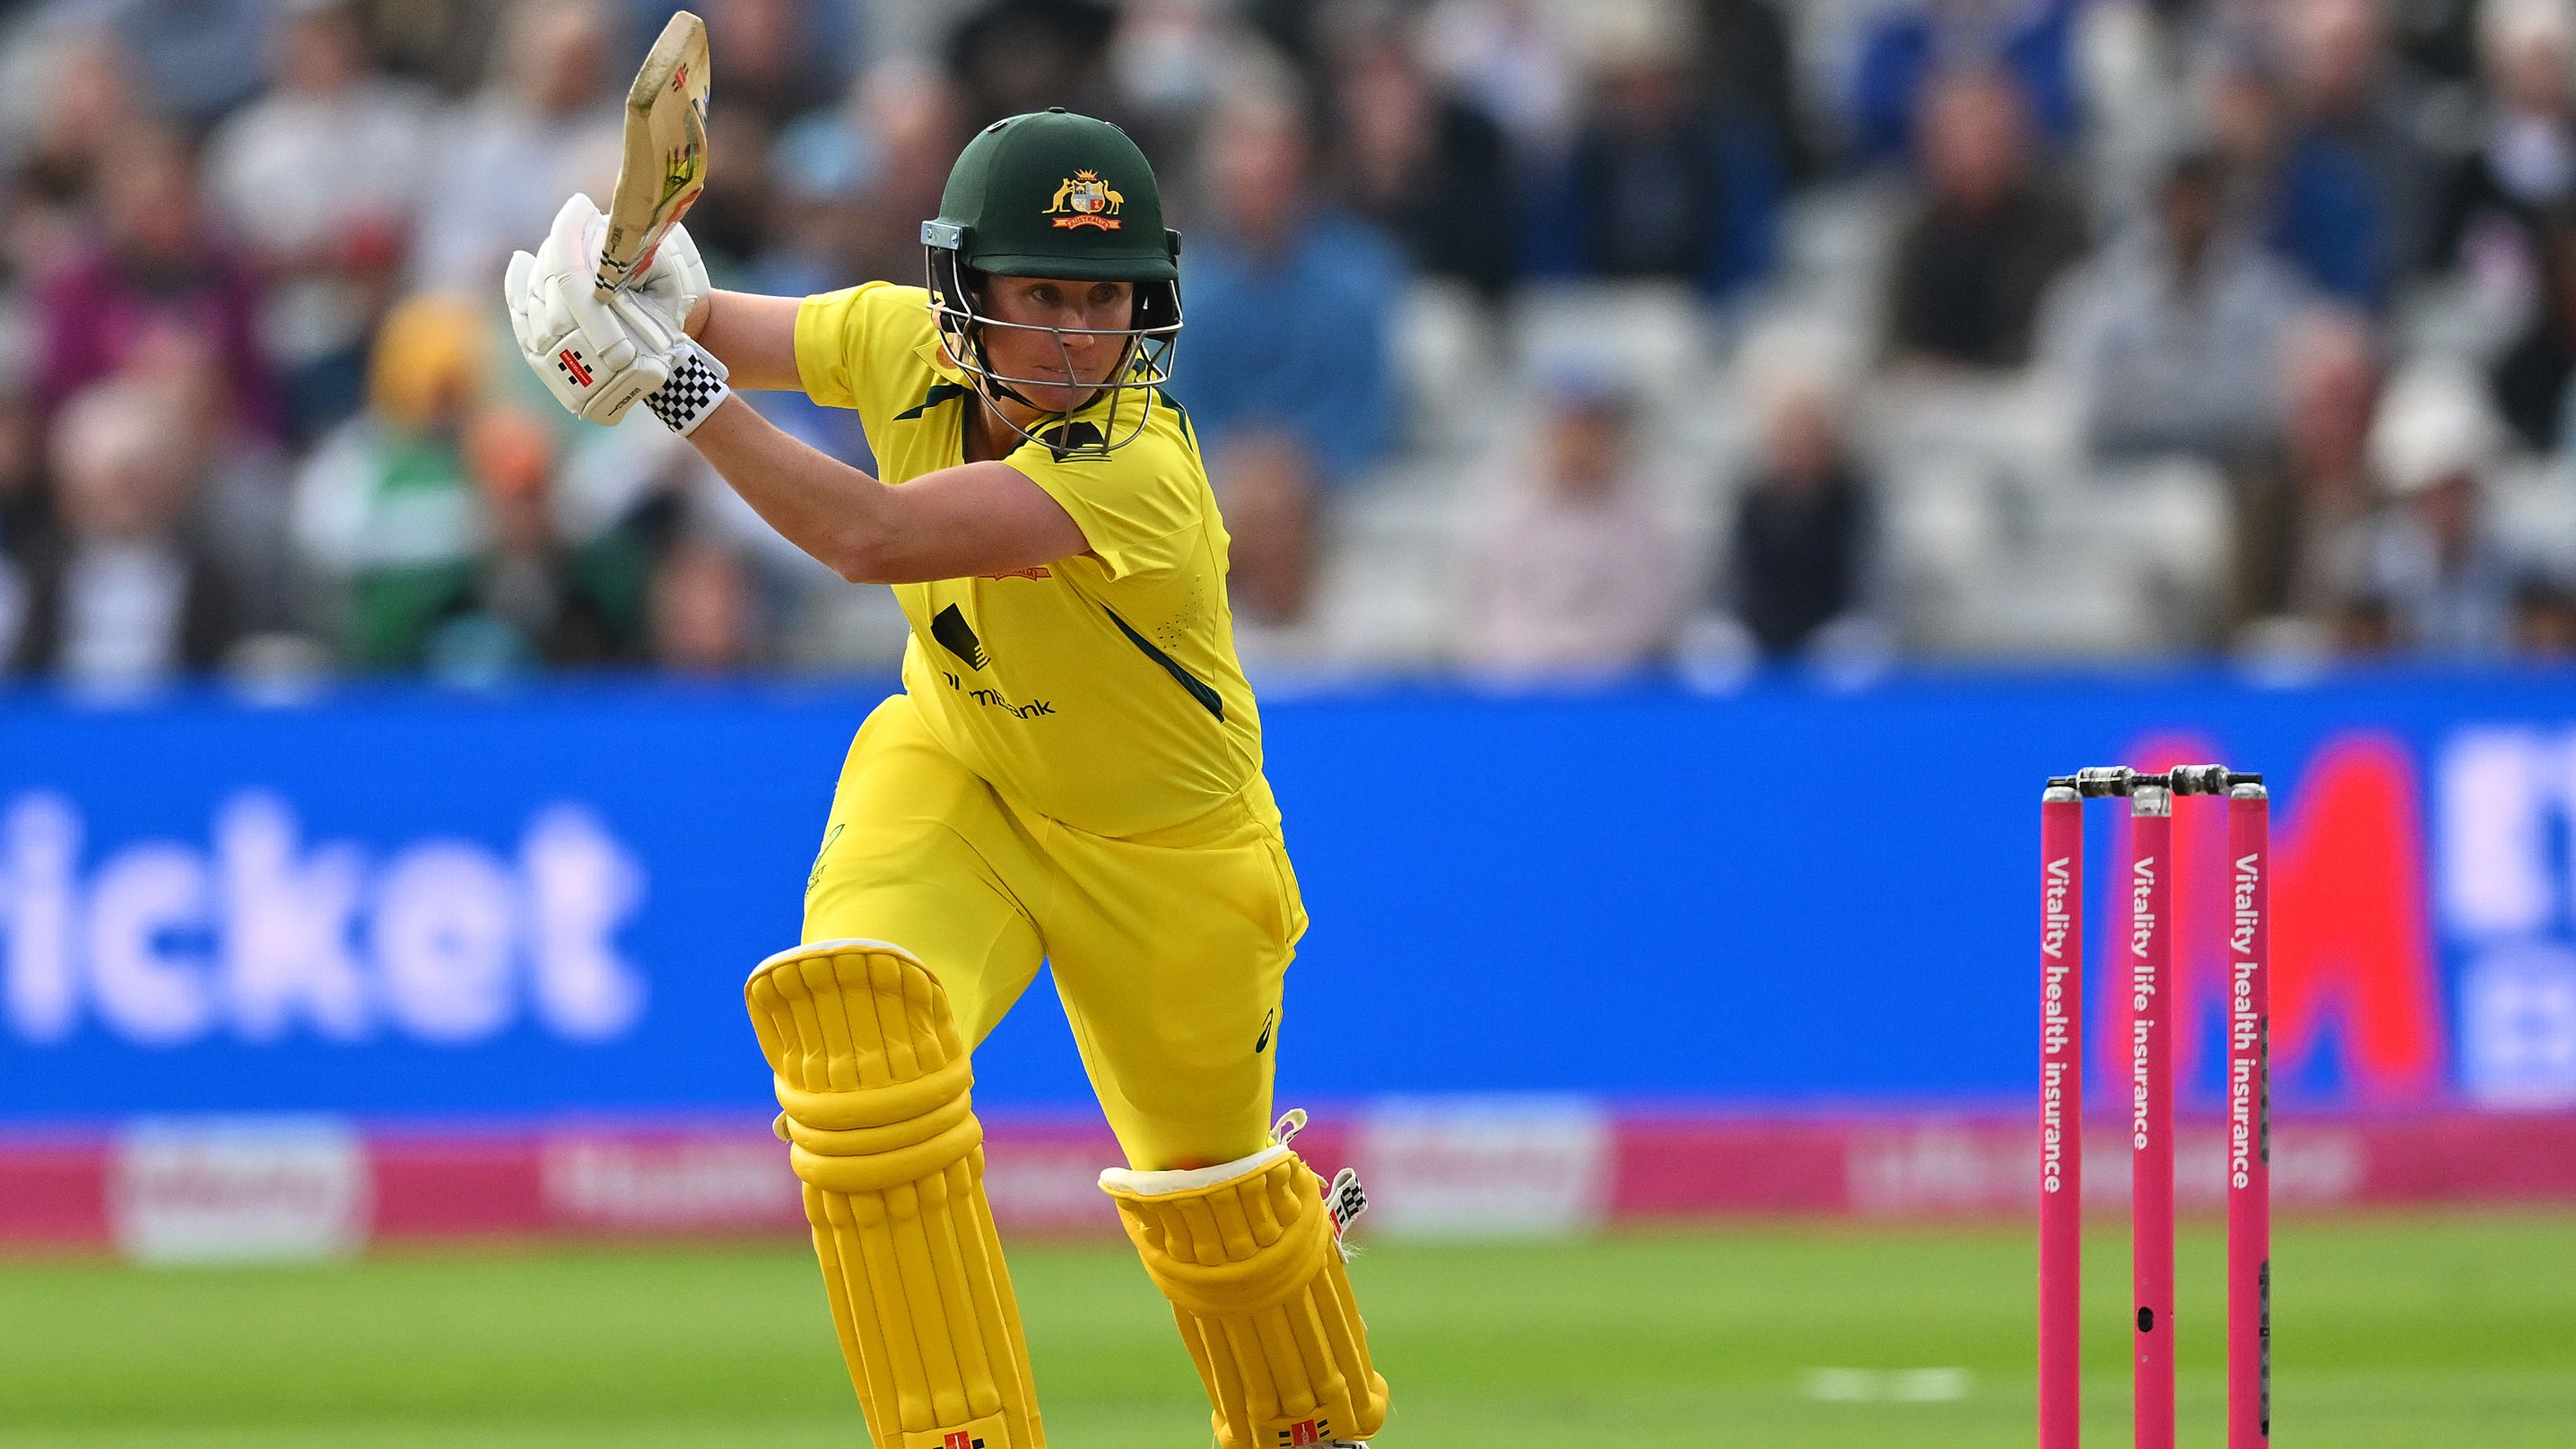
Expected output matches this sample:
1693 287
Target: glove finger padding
571 247
676 279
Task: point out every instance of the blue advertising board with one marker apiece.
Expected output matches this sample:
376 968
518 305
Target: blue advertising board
409 904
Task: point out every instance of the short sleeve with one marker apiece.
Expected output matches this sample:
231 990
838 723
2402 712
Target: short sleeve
1141 508
831 330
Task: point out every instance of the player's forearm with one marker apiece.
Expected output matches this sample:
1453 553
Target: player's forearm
822 505
752 335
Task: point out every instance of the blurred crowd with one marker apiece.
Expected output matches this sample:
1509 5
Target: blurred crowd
1634 334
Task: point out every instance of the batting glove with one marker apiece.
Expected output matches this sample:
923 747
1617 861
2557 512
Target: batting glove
599 354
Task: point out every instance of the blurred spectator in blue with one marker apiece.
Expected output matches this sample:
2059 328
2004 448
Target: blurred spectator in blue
1657 183
1285 300
384 508
316 177
197 58
1575 574
2531 380
120 594
154 268
500 163
2300 510
2171 339
2448 577
1902 55
1426 165
2493 203
1992 232
1802 546
2354 180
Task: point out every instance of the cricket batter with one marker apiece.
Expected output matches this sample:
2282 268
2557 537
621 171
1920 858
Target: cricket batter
1072 773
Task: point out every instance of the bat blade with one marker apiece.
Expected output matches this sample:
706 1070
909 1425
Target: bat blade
665 162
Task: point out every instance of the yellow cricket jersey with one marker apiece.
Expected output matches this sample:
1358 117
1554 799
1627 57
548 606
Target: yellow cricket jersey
1102 689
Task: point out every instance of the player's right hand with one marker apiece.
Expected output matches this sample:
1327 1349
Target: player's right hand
596 354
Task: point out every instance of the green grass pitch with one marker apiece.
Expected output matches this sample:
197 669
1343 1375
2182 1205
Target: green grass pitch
2391 1331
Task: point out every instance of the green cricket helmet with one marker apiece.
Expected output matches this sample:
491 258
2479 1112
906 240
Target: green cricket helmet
1053 194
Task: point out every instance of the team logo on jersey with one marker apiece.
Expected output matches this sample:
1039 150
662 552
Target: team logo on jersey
1086 200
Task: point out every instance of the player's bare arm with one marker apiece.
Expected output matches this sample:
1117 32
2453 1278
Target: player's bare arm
962 522
753 335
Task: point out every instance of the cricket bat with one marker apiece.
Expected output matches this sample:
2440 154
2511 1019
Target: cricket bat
665 163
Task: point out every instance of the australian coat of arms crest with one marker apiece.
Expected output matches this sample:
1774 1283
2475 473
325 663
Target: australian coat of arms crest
1086 200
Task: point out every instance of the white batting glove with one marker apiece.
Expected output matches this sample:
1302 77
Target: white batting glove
599 355
675 281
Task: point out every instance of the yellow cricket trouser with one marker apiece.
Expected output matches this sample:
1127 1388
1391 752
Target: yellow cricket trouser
1169 950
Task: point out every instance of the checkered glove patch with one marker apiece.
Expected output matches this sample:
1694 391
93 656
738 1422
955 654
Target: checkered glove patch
696 387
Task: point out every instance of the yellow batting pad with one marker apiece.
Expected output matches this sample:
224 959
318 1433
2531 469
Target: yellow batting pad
1248 1256
874 1078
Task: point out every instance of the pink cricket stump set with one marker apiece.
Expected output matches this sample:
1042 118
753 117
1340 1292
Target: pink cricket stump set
2151 990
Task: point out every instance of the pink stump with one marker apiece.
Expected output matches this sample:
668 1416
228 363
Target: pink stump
2249 1120
2061 1115
2151 1158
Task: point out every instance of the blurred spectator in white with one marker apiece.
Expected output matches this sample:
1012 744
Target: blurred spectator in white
500 163
2351 195
197 59
2494 202
1991 234
1265 485
1906 50
316 176
705 614
2531 379
2449 580
2171 338
1286 300
2300 511
120 596
1802 547
1426 165
66 93
155 267
1658 184
1576 574
384 509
